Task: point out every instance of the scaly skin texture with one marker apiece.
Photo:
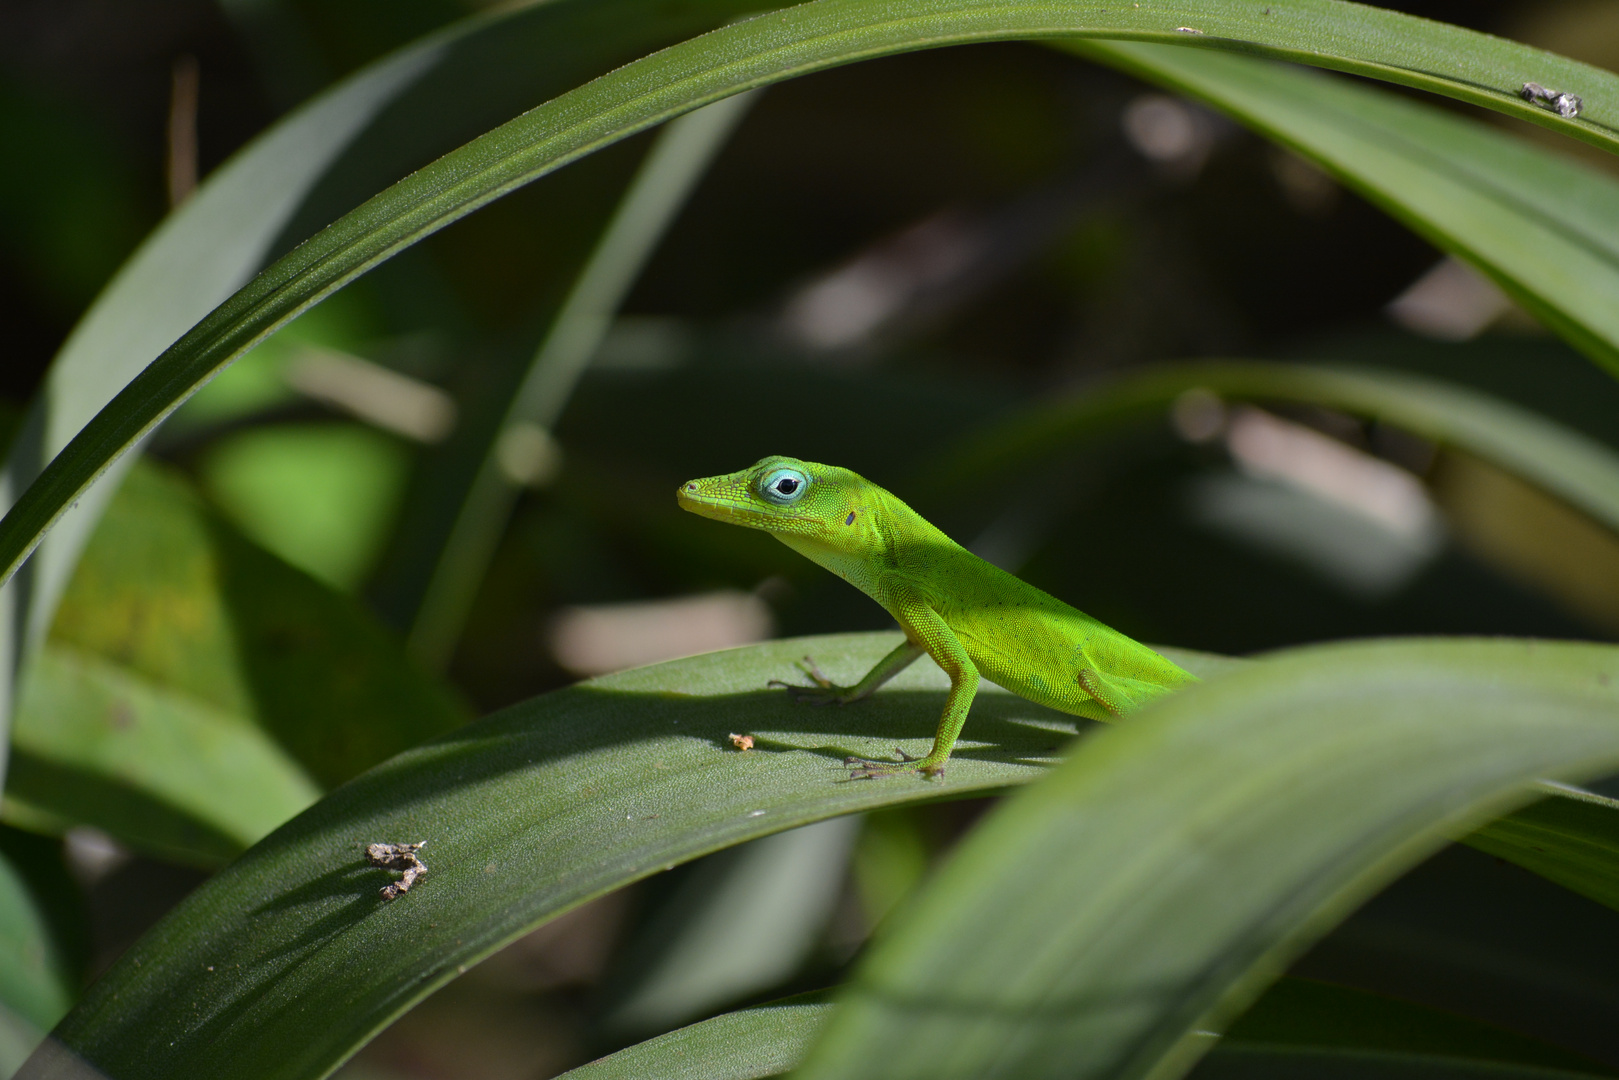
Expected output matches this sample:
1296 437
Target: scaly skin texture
973 618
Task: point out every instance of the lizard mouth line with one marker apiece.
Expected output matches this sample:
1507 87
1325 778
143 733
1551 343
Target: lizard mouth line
710 506
733 509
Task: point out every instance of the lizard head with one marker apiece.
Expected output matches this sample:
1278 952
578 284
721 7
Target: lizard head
788 497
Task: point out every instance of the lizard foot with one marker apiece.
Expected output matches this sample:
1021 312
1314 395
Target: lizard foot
824 692
872 768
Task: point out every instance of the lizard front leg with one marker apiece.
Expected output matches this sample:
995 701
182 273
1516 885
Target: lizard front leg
824 692
923 624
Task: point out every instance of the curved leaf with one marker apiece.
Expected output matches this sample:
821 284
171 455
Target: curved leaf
1171 867
43 939
748 1044
33 983
1572 840
1543 226
1242 1062
1319 1029
693 955
782 44
526 813
194 260
1311 1016
1571 466
672 169
158 770
367 130
196 691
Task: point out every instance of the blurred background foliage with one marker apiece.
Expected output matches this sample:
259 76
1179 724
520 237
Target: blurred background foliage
879 261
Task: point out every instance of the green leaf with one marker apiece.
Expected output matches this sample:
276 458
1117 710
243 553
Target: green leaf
765 49
42 941
778 893
157 770
1240 1062
322 496
671 170
1572 840
195 259
527 813
33 984
1297 1028
1571 466
1543 226
748 1044
1169 870
366 131
1315 1016
196 691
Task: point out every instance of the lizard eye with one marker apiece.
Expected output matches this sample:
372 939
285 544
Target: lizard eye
784 486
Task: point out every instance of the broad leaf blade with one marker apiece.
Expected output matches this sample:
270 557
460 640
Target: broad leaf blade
171 591
1318 1029
157 770
1153 884
526 813
196 691
748 1044
756 52
33 983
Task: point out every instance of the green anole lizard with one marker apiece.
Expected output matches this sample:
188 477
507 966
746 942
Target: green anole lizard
972 617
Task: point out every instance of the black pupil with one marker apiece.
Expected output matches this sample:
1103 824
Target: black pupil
786 486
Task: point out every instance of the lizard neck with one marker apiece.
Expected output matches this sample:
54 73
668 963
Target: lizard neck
859 570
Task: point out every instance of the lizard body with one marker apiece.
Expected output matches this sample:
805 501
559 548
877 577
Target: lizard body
970 616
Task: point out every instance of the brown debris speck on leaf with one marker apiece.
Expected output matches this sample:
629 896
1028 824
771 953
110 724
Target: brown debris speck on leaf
400 857
742 742
1563 104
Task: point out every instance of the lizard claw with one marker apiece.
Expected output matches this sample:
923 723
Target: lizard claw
810 668
872 768
809 695
824 692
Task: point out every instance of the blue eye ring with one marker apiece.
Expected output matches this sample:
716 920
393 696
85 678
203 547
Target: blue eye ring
783 486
